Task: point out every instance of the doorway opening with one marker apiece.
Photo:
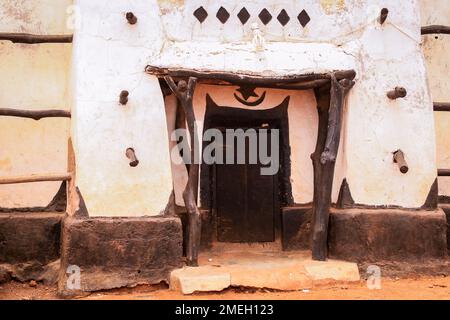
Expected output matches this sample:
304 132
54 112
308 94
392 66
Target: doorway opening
239 203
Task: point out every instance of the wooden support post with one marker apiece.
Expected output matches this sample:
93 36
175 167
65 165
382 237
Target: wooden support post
318 222
180 123
329 107
164 88
185 93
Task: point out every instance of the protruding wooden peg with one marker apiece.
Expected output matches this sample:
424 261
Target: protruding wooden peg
124 97
399 159
132 156
132 19
383 15
398 92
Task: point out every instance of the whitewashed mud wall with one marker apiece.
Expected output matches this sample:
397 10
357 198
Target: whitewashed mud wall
109 56
391 56
340 35
436 49
33 77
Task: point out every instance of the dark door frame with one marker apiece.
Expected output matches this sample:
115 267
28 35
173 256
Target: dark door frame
222 116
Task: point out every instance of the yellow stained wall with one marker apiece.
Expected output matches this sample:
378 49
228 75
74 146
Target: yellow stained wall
33 77
436 50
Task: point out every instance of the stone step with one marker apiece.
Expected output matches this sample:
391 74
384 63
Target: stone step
278 273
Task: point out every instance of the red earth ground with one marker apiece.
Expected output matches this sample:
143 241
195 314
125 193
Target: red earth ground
422 288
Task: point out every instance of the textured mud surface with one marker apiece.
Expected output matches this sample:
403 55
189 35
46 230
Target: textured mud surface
119 252
426 288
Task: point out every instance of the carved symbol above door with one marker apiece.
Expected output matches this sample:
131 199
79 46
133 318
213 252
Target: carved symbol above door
247 92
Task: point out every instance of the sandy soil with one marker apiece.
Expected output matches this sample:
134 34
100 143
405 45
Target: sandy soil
426 288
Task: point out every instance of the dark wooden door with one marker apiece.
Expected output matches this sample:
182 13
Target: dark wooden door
245 201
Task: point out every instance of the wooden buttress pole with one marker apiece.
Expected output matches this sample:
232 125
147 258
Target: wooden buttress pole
330 107
185 92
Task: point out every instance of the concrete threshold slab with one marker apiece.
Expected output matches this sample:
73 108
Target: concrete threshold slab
277 271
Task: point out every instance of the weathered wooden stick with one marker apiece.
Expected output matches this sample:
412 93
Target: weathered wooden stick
35 178
323 104
165 88
307 85
237 78
383 15
35 38
131 18
444 172
442 106
436 29
324 158
180 118
398 92
132 156
185 92
72 196
399 159
301 85
338 93
34 114
180 123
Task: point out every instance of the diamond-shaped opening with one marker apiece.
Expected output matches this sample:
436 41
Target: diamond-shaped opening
265 16
283 17
222 15
200 14
304 18
243 15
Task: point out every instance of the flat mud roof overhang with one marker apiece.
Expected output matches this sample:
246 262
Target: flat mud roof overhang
287 82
